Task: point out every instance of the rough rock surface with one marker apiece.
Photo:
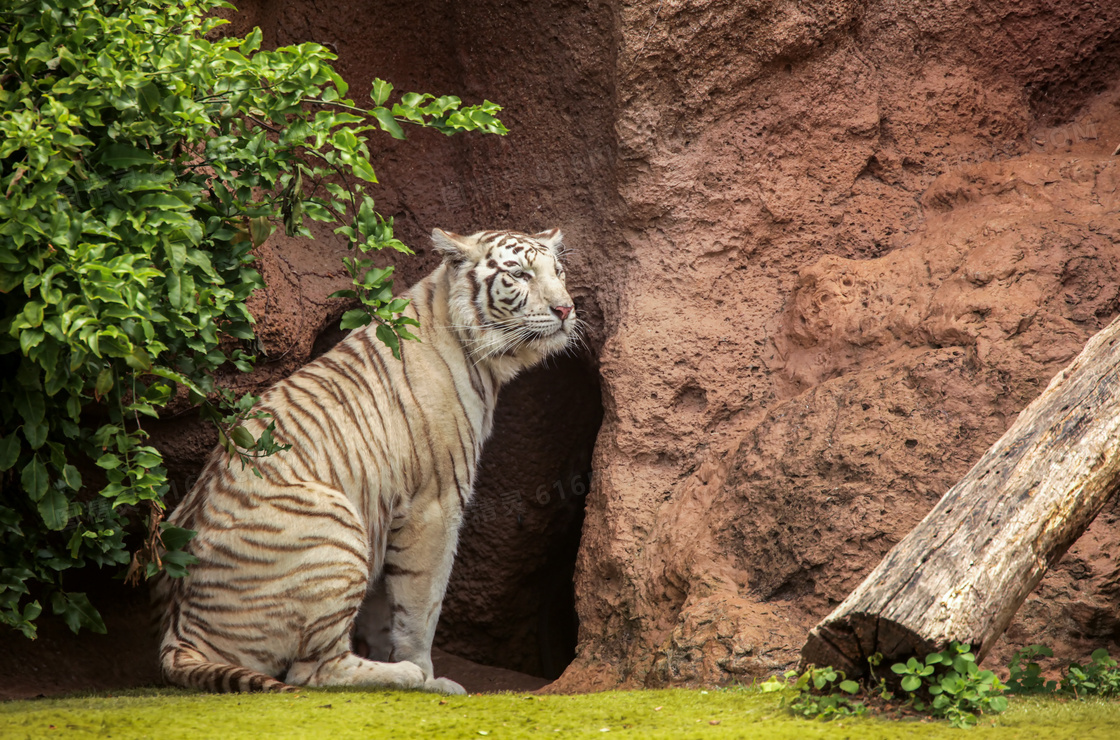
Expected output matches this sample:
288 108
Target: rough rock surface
826 249
877 254
858 252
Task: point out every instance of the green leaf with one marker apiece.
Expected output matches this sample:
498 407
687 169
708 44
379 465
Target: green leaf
911 683
147 458
34 479
850 687
104 382
175 563
175 289
149 94
36 434
355 318
363 169
176 254
9 451
380 92
242 437
345 140
54 507
33 313
260 229
138 359
72 477
389 337
123 155
175 538
29 338
108 461
76 610
9 279
251 43
387 123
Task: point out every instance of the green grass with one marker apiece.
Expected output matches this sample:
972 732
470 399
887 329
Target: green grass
169 714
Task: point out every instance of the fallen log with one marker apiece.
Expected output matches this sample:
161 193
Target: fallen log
963 572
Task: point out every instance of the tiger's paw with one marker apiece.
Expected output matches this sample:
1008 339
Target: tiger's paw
407 675
443 686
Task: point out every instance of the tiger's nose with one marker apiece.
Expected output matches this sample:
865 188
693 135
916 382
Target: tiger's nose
562 311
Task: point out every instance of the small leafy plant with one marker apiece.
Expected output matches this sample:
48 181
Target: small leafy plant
1025 674
950 685
1099 677
822 693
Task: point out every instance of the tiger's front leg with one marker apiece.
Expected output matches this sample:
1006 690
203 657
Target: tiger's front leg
418 562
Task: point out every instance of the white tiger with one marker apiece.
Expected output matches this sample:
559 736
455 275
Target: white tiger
368 501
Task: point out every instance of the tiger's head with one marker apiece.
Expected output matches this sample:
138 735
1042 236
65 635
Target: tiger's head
508 296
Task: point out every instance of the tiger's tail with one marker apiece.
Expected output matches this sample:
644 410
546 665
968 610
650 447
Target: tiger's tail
186 667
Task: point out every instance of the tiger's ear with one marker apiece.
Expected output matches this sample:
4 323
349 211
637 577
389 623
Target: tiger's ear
454 248
552 239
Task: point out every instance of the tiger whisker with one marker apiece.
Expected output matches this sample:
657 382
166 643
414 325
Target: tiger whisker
500 323
508 340
485 325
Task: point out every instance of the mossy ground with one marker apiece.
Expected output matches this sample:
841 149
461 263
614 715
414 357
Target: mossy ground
727 713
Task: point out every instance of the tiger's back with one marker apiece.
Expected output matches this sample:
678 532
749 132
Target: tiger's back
369 499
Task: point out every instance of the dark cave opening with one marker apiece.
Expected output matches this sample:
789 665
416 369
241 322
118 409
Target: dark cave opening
511 599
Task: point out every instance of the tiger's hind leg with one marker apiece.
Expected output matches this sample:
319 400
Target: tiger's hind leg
323 656
275 595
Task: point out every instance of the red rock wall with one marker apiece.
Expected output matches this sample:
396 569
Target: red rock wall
858 252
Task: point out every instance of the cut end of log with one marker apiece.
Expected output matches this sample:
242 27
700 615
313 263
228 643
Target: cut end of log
847 643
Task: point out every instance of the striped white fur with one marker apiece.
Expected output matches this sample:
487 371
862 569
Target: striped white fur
367 503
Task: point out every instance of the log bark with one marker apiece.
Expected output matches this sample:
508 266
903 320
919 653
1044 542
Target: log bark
963 572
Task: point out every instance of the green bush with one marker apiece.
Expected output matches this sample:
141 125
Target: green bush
142 158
